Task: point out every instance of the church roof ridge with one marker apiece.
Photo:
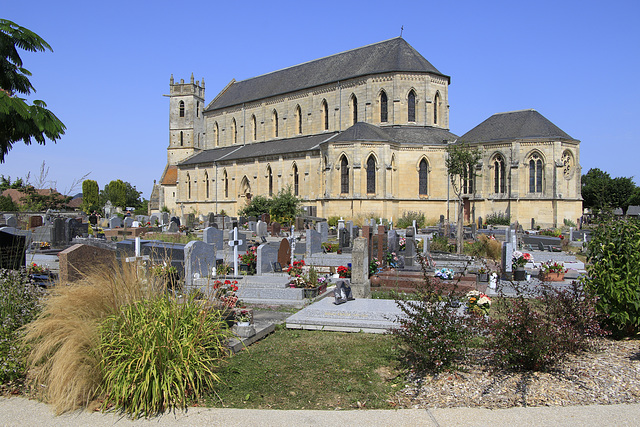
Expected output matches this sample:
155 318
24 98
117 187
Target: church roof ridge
392 55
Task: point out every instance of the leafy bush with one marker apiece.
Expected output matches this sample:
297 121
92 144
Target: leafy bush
257 206
19 305
441 244
498 218
569 223
175 349
407 218
614 273
333 221
485 247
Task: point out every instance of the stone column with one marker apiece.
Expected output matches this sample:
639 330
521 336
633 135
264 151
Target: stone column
360 285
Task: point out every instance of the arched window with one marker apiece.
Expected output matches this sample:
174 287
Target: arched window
181 139
234 131
344 175
567 164
216 134
206 184
383 107
225 178
188 186
354 109
371 175
254 127
423 172
275 123
468 180
270 179
499 172
299 119
181 108
436 106
535 174
325 115
296 180
197 108
411 106
245 187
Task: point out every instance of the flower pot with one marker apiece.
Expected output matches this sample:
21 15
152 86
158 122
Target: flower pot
482 277
519 274
244 323
552 276
375 280
311 293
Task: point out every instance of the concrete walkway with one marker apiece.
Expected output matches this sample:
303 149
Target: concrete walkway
21 412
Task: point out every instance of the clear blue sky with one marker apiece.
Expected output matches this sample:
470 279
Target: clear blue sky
576 62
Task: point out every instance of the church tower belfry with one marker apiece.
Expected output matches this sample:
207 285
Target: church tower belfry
186 122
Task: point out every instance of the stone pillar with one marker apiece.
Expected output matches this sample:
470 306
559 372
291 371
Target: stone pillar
360 285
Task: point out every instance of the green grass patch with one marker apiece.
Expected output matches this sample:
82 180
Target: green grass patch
298 369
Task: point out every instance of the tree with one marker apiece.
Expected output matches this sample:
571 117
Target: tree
121 194
20 121
461 165
256 207
601 192
5 183
285 206
34 201
90 195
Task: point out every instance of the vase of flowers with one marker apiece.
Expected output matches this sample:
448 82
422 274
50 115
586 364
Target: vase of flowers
483 274
518 261
478 303
552 272
445 273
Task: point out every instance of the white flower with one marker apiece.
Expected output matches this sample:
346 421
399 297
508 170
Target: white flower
484 300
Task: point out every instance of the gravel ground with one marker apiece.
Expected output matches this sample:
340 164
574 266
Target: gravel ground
608 375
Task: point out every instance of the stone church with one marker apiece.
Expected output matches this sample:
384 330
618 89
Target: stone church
362 133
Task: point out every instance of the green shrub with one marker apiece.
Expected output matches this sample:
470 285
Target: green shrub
614 273
498 218
407 218
158 354
19 305
441 244
333 221
484 247
569 223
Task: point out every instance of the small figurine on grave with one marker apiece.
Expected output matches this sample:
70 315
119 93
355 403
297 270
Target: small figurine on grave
342 293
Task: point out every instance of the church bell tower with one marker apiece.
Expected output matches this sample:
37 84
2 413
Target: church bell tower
186 123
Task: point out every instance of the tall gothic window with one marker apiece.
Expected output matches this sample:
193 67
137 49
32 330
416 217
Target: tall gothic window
411 106
299 119
188 186
384 116
499 172
371 175
181 139
535 174
197 108
567 164
423 188
254 127
296 180
225 178
270 179
468 179
325 115
206 185
181 108
344 175
436 107
354 109
216 134
275 123
234 131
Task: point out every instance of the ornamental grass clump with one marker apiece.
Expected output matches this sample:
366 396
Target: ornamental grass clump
159 354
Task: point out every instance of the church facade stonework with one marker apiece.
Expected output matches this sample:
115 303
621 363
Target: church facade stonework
360 133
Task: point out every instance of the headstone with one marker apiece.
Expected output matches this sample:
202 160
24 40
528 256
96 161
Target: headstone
381 242
299 223
261 229
108 209
143 219
77 261
265 217
211 219
242 220
13 245
313 242
267 254
276 228
393 243
284 252
252 218
507 255
165 218
57 233
128 221
348 225
243 237
480 223
410 247
360 269
533 224
251 225
323 229
340 224
213 236
173 227
115 222
199 261
35 221
176 220
11 220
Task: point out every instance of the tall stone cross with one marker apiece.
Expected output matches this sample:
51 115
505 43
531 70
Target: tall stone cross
235 243
292 241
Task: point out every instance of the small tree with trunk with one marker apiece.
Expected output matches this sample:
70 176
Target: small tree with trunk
461 165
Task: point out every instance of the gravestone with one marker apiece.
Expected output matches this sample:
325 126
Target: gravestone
79 260
340 224
313 242
57 233
211 219
261 229
276 228
11 220
267 254
251 225
127 221
72 228
155 219
189 220
213 236
13 245
479 223
164 218
299 223
242 220
252 218
393 243
35 221
199 261
323 229
360 269
410 247
176 220
93 220
115 222
344 239
284 252
348 225
143 219
162 252
173 227
380 242
108 209
265 217
367 234
507 256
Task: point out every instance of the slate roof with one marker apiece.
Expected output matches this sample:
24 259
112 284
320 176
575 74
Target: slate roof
401 134
523 124
394 55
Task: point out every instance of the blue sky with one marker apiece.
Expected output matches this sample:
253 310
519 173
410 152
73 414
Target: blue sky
576 62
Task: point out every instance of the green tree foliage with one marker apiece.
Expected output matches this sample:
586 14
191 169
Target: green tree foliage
35 202
5 183
461 165
256 207
601 192
90 195
614 273
20 121
285 206
121 193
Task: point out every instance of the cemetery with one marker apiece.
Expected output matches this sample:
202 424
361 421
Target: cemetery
263 276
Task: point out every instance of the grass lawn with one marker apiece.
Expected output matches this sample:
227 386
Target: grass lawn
298 369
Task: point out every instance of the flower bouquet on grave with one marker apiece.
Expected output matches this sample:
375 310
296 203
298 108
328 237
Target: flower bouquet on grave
296 268
391 259
478 303
35 269
375 266
445 273
402 243
552 272
519 259
344 272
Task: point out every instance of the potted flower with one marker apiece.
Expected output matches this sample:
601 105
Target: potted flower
344 272
518 261
391 259
445 273
483 274
552 272
478 303
244 316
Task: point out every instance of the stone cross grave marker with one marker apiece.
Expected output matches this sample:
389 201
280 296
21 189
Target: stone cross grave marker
234 244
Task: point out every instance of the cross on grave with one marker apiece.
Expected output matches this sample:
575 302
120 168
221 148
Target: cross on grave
235 243
138 254
292 242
